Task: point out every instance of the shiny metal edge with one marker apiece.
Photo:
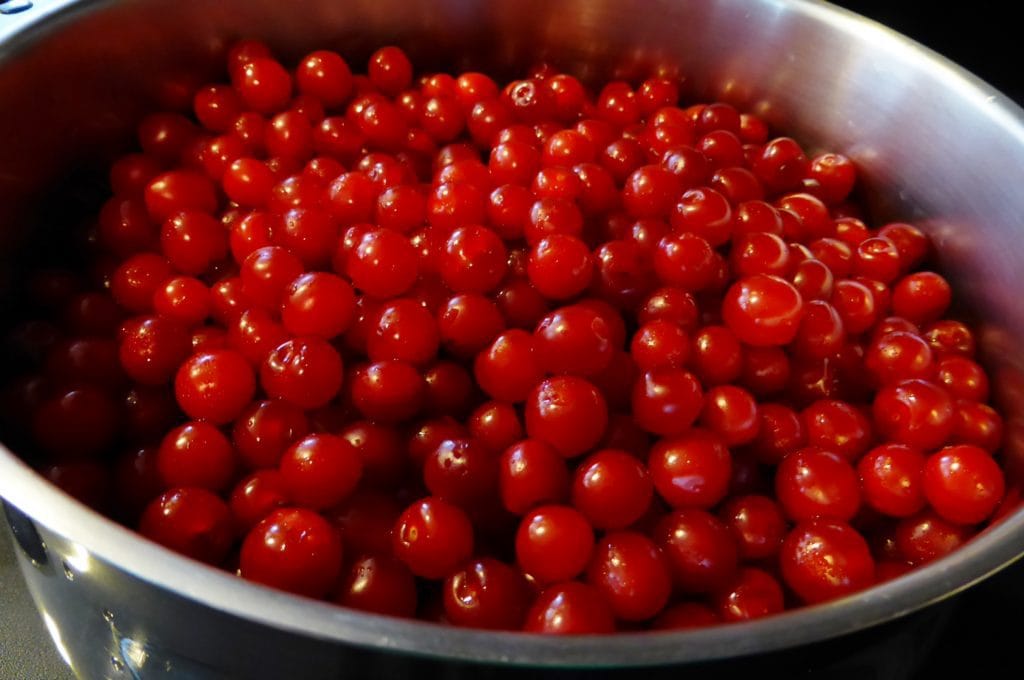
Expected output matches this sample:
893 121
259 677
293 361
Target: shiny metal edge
992 550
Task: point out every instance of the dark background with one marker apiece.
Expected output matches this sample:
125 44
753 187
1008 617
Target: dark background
983 37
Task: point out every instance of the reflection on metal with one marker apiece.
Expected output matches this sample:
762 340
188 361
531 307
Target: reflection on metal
78 559
58 641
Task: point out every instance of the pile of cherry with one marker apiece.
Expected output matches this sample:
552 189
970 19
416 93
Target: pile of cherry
514 357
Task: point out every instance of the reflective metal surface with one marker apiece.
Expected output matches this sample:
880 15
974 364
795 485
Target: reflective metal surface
937 146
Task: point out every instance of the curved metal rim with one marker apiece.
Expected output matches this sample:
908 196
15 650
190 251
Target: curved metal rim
992 550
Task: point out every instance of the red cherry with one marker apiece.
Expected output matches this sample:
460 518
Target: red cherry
763 310
630 572
822 560
194 522
963 484
691 470
569 608
567 412
554 543
432 538
292 549
486 594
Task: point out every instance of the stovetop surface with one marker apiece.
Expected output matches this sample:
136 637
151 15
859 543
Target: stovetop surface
980 638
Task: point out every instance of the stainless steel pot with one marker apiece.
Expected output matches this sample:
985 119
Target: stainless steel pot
936 145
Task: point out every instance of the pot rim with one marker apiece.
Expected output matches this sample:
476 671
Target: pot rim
993 549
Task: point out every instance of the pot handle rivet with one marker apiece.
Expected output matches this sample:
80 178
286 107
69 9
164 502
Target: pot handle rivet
25 535
14 6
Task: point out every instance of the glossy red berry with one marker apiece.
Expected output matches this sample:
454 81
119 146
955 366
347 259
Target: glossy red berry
891 477
667 402
485 594
822 560
320 471
632 575
380 584
700 550
612 489
692 470
570 608
763 310
432 537
963 484
196 454
214 386
813 483
194 522
568 413
293 549
554 543
916 412
305 371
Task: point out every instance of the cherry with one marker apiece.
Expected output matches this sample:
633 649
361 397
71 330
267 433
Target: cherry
468 323
196 454
388 391
509 369
320 471
325 75
256 496
214 386
757 524
305 371
824 559
922 297
692 470
318 303
891 479
194 522
404 331
574 340
461 471
731 413
152 349
554 543
926 536
569 608
531 473
812 483
473 260
700 550
914 412
379 584
962 483
292 549
432 537
763 310
383 264
560 266
838 427
566 412
612 489
685 615
630 572
752 595
486 594
666 402
716 355
496 425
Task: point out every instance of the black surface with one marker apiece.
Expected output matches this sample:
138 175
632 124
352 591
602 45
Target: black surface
983 37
